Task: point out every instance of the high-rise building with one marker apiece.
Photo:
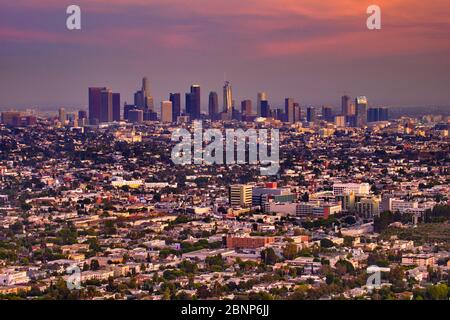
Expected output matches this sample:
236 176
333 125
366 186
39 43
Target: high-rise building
116 106
278 114
289 110
72 119
100 105
188 104
143 98
136 116
82 117
139 100
352 109
95 102
126 110
311 114
361 111
351 121
213 105
195 112
106 109
227 98
383 114
150 115
297 112
372 115
175 98
377 114
147 96
240 195
346 106
8 117
246 107
62 117
262 96
265 109
18 119
145 85
166 111
82 114
327 114
339 121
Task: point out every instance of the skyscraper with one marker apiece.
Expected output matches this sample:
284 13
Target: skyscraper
95 102
311 114
148 98
116 106
351 121
143 98
106 109
278 114
136 116
227 98
383 114
100 105
62 115
265 109
145 85
188 104
352 109
175 98
339 121
246 107
213 105
126 110
297 112
166 111
72 119
82 114
139 100
346 106
195 102
262 96
377 114
327 114
372 115
361 111
289 109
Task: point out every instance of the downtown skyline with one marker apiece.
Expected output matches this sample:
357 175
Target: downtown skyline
106 106
311 52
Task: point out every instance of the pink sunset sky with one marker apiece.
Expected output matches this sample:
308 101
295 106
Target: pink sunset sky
313 51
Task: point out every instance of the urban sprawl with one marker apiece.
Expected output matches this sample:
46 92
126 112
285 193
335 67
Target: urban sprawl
93 207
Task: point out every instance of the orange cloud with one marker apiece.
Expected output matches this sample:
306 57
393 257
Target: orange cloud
269 27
